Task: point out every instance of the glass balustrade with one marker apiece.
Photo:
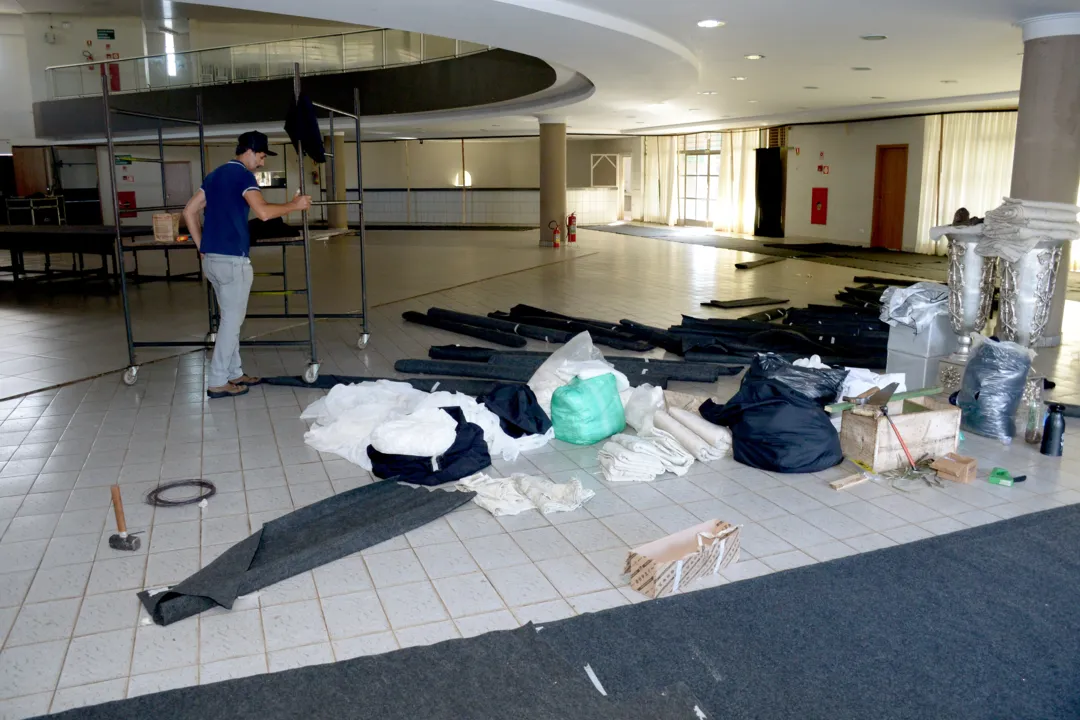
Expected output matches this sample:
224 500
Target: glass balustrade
362 50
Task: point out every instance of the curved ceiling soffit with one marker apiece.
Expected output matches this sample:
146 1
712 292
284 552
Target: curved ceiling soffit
555 31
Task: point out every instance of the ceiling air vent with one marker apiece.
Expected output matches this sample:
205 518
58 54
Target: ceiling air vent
777 137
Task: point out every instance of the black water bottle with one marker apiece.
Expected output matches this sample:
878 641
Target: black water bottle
1053 440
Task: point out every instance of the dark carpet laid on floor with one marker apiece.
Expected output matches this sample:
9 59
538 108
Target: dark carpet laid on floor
982 623
509 675
304 539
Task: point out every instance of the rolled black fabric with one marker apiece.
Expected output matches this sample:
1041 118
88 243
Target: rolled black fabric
463 353
492 336
508 326
304 539
302 126
518 409
467 456
476 388
517 372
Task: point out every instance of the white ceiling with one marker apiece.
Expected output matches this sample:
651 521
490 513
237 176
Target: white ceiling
649 61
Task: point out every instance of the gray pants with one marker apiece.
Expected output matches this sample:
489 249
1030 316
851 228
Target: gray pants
231 277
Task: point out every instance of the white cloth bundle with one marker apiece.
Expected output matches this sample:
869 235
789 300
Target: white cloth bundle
640 405
940 231
659 444
1018 212
1058 231
620 464
425 433
717 436
686 437
346 419
521 493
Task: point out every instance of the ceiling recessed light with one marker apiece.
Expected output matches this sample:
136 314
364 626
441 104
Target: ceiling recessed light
738 77
949 82
706 92
877 97
802 107
640 122
754 56
693 110
860 69
631 117
873 38
751 101
810 87
710 23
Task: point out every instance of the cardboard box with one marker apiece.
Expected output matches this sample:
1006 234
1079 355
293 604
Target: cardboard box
931 429
665 566
957 468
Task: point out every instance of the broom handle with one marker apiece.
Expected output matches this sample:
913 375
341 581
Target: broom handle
118 507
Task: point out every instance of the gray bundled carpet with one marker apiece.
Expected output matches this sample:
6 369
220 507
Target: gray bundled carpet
304 539
982 623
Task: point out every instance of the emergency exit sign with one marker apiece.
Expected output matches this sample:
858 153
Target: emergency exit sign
106 34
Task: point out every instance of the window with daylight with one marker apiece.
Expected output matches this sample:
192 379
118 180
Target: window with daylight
699 178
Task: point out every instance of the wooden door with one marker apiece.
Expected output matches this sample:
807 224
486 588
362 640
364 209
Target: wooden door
31 175
890 194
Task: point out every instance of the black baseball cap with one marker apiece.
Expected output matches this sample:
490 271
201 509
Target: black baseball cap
255 141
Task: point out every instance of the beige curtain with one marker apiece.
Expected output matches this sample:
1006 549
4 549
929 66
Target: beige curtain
967 162
660 180
737 204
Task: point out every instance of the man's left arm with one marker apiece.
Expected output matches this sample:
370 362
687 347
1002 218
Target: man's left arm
191 217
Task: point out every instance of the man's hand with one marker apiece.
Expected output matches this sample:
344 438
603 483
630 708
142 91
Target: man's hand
301 202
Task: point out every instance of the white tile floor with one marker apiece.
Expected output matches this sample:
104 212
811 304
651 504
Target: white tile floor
73 632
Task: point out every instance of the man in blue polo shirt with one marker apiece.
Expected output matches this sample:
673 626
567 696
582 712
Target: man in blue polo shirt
227 195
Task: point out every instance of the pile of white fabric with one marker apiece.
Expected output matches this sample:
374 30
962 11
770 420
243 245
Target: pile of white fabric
521 493
670 437
635 458
577 358
1017 226
397 418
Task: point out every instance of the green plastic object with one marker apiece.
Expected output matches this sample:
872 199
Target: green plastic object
587 411
1000 476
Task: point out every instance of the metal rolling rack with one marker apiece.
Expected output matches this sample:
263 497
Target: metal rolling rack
311 374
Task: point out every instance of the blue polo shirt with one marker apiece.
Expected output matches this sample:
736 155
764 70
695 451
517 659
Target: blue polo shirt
225 220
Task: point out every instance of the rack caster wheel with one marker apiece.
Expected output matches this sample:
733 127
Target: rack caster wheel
311 374
363 341
211 338
131 375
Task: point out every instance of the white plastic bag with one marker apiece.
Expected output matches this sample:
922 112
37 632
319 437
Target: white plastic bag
424 433
577 358
642 404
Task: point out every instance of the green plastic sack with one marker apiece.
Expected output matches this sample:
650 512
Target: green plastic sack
587 411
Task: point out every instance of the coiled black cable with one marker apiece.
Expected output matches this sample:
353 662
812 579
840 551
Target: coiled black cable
154 497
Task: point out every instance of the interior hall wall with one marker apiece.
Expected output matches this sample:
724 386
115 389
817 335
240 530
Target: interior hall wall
850 152
70 44
16 110
208 34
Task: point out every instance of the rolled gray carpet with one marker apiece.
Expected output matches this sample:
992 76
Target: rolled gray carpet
300 541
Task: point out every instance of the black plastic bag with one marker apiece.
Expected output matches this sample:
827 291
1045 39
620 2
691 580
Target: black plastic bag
992 388
777 428
822 386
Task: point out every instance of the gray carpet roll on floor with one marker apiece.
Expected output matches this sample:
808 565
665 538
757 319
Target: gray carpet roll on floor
476 388
507 675
304 539
492 336
507 326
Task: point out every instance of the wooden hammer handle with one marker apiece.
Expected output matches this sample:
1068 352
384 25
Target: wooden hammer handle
118 507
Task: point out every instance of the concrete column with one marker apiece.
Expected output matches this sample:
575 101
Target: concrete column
552 177
1046 160
336 215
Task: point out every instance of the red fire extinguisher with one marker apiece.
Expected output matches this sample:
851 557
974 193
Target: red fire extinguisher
571 229
555 235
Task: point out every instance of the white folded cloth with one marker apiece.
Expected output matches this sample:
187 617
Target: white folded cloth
1060 231
686 437
425 433
520 493
620 464
717 436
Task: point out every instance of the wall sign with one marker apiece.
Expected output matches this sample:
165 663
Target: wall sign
106 34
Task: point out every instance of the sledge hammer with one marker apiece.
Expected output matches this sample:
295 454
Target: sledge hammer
121 540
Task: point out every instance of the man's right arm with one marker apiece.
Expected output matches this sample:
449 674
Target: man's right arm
191 216
268 211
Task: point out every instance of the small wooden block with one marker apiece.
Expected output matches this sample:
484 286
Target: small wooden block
849 481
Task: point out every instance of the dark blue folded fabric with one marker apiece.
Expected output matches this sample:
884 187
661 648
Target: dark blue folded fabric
518 409
467 456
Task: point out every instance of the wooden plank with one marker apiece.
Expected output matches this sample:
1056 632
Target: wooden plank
925 392
849 481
